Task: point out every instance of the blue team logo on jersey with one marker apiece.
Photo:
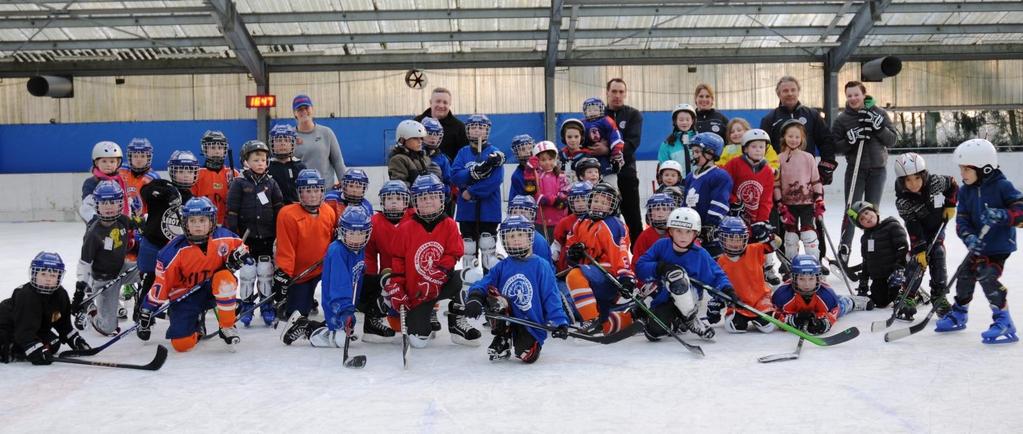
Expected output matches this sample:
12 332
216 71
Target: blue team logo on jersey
519 292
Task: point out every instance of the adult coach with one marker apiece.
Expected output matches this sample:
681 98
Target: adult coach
454 130
709 120
630 124
317 145
859 125
818 136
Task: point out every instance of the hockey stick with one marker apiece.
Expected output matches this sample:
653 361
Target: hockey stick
916 328
783 356
153 365
162 309
280 304
356 362
877 326
623 334
826 341
841 266
847 224
79 320
404 338
691 347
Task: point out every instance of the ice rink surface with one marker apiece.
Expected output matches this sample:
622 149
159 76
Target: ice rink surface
924 383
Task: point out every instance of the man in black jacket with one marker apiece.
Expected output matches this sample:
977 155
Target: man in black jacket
630 124
454 130
818 136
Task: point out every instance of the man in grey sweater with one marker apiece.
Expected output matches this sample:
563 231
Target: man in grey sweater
317 146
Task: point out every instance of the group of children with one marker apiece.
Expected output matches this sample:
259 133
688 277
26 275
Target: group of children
213 238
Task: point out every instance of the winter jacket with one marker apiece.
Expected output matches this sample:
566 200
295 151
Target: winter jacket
252 204
875 154
994 191
163 201
406 165
798 182
630 125
923 212
551 197
29 317
883 249
285 174
678 150
454 133
485 193
711 121
819 140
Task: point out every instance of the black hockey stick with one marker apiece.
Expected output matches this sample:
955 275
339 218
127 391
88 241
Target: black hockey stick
79 320
841 265
916 328
695 349
356 362
154 365
784 356
404 339
826 341
278 306
914 283
618 336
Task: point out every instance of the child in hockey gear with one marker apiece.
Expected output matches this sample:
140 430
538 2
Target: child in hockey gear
351 191
523 179
602 131
925 202
138 172
668 264
106 159
808 303
552 187
753 190
37 318
341 289
206 256
744 264
104 249
284 167
394 203
253 202
883 247
408 160
578 203
423 266
658 208
669 174
215 179
525 206
987 200
735 143
593 294
432 141
163 199
478 172
304 231
522 286
572 133
676 145
588 170
798 192
708 187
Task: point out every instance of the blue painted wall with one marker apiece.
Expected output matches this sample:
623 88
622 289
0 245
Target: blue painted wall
46 148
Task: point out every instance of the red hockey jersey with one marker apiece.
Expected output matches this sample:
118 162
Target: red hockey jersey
423 259
382 242
646 239
754 189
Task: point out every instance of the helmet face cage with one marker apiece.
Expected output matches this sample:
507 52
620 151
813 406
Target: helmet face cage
208 146
52 265
429 199
283 146
528 212
108 209
477 128
725 238
658 214
176 170
394 204
353 188
602 203
34 274
517 240
578 198
593 108
522 150
809 269
434 133
142 148
311 196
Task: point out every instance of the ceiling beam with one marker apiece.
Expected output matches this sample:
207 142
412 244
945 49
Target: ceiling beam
861 24
239 39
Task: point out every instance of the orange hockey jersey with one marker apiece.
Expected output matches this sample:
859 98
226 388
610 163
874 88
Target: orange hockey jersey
302 239
213 185
747 277
601 245
182 265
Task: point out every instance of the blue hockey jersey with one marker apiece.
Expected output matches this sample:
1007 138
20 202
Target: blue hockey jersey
485 193
442 161
518 183
541 248
696 261
341 281
531 290
996 192
708 193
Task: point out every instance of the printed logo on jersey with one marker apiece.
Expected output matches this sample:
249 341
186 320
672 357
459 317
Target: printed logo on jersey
692 198
715 128
594 134
519 291
621 125
357 271
426 256
749 193
222 250
802 120
170 224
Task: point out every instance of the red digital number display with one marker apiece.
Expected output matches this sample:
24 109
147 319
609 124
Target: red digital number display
261 101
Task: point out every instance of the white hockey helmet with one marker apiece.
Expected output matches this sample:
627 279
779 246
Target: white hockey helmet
670 165
978 153
545 146
909 163
754 135
685 218
106 149
410 129
683 108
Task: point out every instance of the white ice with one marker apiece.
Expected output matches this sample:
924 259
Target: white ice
924 383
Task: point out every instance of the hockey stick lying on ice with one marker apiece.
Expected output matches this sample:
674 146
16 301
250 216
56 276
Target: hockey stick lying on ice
632 329
826 341
355 362
154 365
915 328
695 349
914 283
784 356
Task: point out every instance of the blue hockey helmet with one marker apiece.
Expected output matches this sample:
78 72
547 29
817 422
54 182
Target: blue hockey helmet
517 224
805 265
733 228
109 197
710 143
658 207
434 132
354 227
46 261
522 147
397 190
181 163
428 186
522 205
140 146
481 122
593 108
199 206
358 180
578 197
312 184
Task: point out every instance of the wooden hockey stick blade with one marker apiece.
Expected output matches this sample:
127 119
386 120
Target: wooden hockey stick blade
153 365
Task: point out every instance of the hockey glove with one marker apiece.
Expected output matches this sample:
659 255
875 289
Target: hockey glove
897 278
818 208
576 253
730 293
856 135
626 285
385 277
921 258
37 354
974 243
555 251
708 234
735 209
473 307
761 232
343 319
396 295
827 170
871 119
495 159
77 343
479 171
799 320
238 258
282 281
6 352
995 217
665 268
561 332
79 298
146 321
714 308
818 326
786 216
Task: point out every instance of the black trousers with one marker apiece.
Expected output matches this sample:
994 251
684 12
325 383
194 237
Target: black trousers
417 320
628 185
